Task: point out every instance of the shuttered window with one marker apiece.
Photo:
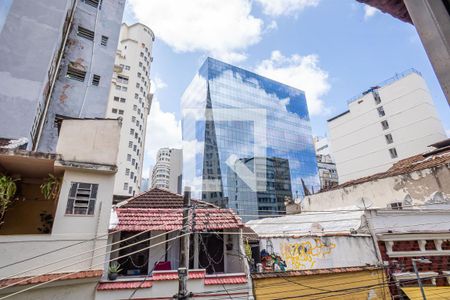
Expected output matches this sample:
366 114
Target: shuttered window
75 74
85 33
82 197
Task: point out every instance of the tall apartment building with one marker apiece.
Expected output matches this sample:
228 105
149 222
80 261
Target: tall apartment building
58 57
130 99
391 121
168 169
247 140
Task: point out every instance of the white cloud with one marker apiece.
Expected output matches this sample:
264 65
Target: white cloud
369 11
302 72
223 29
159 83
163 130
277 8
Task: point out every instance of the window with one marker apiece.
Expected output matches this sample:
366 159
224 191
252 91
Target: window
136 96
133 119
133 161
124 88
389 139
118 87
139 74
82 198
116 99
127 68
85 33
130 190
125 186
381 112
376 97
135 107
128 157
138 85
104 41
140 64
385 125
93 3
131 131
120 111
127 171
114 110
131 175
130 144
142 54
393 153
122 79
75 74
396 205
122 100
96 80
134 147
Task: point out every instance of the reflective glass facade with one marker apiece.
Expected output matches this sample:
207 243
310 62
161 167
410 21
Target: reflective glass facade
247 140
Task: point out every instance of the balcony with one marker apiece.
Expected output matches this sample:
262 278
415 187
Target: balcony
29 210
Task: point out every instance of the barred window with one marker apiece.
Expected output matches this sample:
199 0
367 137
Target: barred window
85 33
104 41
96 80
75 74
82 197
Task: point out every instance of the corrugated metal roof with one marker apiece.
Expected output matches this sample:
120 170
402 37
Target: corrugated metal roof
313 223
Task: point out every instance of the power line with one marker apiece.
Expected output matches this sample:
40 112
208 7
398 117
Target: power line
99 264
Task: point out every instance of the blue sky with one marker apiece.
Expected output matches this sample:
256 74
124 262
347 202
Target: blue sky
331 49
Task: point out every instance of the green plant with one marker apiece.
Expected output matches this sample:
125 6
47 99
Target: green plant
114 267
8 189
50 188
47 222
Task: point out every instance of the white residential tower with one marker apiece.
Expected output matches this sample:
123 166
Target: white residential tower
391 121
167 172
130 99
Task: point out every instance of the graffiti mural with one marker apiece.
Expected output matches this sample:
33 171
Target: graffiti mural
305 254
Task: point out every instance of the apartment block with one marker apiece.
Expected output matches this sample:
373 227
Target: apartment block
130 100
390 121
167 172
60 61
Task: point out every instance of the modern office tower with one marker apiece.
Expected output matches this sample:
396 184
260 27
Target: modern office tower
240 128
130 99
168 169
58 62
389 122
277 182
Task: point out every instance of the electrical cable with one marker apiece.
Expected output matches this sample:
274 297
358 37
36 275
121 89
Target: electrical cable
99 264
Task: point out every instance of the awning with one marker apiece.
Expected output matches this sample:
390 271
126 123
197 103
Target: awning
431 292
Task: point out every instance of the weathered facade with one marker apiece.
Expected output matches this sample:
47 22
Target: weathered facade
67 71
417 180
54 245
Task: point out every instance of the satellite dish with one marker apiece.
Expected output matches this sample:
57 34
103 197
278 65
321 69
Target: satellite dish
363 203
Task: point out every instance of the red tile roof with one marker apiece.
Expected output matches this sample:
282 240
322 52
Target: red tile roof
225 279
312 272
158 198
124 285
173 275
48 277
162 210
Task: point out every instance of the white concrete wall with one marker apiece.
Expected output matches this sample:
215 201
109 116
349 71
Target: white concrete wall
67 230
133 40
304 253
61 290
419 186
93 141
358 141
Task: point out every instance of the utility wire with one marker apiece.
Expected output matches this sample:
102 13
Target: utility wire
99 264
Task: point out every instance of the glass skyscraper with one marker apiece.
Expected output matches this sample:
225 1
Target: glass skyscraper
247 141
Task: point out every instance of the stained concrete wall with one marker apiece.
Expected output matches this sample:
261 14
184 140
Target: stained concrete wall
420 186
82 99
29 43
93 141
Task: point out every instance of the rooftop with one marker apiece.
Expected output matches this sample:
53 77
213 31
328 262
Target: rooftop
162 210
395 8
434 158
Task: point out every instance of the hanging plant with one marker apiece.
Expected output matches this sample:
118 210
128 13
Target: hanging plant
50 188
8 189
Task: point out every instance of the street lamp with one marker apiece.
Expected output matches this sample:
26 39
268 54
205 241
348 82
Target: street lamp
421 261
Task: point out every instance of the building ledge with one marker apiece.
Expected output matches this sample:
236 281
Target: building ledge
94 167
313 272
20 281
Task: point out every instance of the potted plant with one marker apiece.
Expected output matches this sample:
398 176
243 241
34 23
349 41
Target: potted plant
113 270
8 189
50 188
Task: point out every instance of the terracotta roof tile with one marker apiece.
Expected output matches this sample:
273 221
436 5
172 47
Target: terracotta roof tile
225 279
405 166
312 272
124 285
47 277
